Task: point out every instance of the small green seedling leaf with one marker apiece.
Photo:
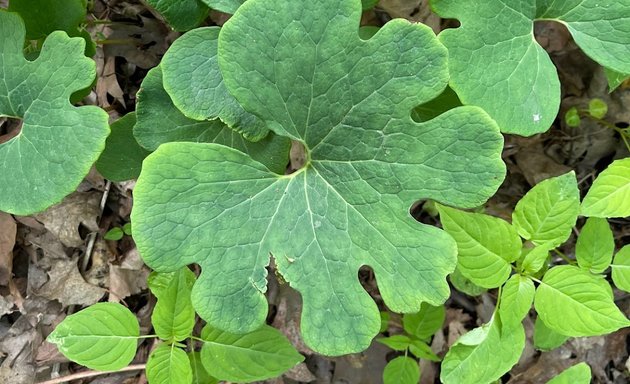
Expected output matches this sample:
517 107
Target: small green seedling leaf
396 342
199 373
609 195
58 143
259 355
621 269
546 339
536 258
385 317
483 354
169 364
401 370
615 79
577 374
127 229
597 108
426 322
548 212
495 58
576 303
595 245
159 122
572 117
173 317
196 84
517 298
102 337
114 234
308 76
422 350
122 158
463 284
486 245
182 15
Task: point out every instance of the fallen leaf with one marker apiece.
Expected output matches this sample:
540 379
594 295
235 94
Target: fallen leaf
63 219
67 286
126 282
8 230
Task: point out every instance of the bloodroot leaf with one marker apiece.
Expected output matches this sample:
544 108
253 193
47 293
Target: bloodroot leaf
182 15
102 337
58 143
497 64
302 68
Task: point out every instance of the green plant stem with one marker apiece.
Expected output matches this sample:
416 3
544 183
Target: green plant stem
86 374
564 257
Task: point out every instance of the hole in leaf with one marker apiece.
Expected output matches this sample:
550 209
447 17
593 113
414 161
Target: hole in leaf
622 125
298 157
9 128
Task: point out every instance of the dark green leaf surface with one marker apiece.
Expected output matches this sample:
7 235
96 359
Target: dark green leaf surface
42 17
169 364
182 15
122 158
102 337
58 143
227 6
497 64
310 77
259 355
159 122
547 339
193 80
173 317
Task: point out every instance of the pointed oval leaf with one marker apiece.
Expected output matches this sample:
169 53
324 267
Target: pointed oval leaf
259 355
196 85
122 158
621 269
577 374
422 350
182 15
517 298
609 195
103 336
546 339
494 56
485 356
595 245
58 143
575 303
169 364
368 162
401 370
396 342
548 212
486 245
173 317
536 258
424 323
159 122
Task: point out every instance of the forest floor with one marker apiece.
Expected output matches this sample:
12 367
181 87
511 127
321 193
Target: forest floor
54 263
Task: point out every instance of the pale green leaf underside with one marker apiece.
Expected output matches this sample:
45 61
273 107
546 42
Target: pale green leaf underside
548 212
575 303
58 143
159 122
609 195
259 355
173 317
486 245
102 337
517 298
621 269
497 64
349 206
483 355
401 370
577 374
169 364
595 245
182 15
193 80
463 284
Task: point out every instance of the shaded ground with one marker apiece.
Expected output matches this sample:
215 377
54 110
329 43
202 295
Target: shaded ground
53 264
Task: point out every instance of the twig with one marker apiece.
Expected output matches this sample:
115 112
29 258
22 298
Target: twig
86 374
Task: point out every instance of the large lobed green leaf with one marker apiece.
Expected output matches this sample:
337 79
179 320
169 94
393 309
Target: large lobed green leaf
302 68
102 336
497 64
575 302
58 143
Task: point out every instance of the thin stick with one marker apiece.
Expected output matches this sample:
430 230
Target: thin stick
86 374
